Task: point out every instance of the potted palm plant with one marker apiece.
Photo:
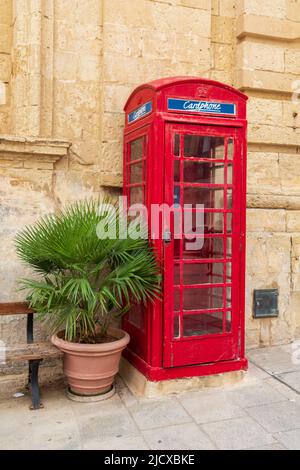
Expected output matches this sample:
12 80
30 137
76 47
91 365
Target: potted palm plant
83 284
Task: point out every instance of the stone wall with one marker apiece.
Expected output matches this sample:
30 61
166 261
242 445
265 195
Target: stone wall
267 69
67 67
5 63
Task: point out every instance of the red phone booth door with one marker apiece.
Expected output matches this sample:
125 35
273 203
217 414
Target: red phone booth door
201 317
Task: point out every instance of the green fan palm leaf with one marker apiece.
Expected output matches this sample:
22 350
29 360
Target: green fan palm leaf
84 281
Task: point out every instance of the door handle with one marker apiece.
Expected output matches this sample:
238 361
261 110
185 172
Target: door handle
167 236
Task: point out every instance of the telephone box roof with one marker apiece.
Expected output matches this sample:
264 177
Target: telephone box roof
157 85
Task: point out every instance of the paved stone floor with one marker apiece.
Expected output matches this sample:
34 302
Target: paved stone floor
262 412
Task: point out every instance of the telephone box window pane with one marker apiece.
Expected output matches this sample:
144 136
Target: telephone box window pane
204 146
210 197
206 248
176 300
177 248
176 274
230 148
229 198
203 273
203 324
136 149
203 172
176 170
228 322
199 222
176 196
136 316
229 222
137 195
228 272
229 174
177 145
176 326
229 247
203 299
228 297
136 173
213 222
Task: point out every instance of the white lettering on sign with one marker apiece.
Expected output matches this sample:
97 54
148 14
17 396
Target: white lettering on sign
202 106
142 110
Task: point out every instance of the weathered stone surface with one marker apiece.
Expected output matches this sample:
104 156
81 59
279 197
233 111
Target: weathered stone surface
293 221
292 61
255 25
266 220
269 8
259 56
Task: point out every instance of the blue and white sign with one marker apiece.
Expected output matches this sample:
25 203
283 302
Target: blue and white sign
140 112
208 107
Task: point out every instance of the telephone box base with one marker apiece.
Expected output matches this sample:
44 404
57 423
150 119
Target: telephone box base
155 382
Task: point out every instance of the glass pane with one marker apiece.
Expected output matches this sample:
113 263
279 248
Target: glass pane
203 146
136 316
176 300
228 322
203 324
203 172
228 297
230 148
177 248
213 222
203 248
229 174
176 274
176 170
176 145
204 273
229 222
199 222
137 195
229 247
212 198
176 326
136 149
136 173
228 272
176 195
203 299
229 198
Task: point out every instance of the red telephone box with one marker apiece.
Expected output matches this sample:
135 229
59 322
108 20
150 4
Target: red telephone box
184 145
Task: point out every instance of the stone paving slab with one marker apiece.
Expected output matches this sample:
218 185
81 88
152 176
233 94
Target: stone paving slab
292 379
261 412
276 359
181 437
290 439
276 417
237 434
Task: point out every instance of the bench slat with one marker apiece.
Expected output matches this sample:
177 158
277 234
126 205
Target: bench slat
15 308
26 352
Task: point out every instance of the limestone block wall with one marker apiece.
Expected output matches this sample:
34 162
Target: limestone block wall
5 63
267 69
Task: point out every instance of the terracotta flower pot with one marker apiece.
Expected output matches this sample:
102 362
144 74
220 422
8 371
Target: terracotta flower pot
90 368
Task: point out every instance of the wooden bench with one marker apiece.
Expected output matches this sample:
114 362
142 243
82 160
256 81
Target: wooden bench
32 352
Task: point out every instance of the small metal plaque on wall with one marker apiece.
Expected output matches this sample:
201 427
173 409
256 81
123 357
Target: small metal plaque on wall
265 303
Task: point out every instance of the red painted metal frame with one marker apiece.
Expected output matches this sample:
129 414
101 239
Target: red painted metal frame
149 348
